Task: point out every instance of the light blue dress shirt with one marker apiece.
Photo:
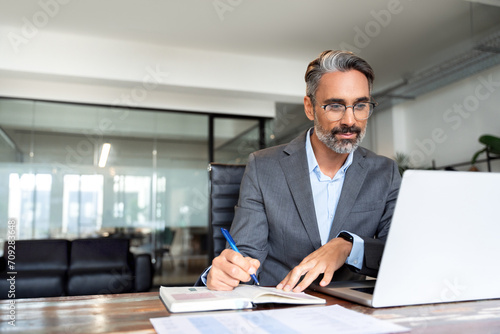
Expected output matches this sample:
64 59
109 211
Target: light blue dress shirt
326 193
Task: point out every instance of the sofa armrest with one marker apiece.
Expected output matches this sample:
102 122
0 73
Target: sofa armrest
143 272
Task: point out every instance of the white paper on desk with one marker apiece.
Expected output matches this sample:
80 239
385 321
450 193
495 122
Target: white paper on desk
332 319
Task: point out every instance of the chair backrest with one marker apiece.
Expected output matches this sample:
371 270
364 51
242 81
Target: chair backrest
225 182
167 237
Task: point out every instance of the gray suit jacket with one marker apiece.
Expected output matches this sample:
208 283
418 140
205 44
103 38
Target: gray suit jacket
275 220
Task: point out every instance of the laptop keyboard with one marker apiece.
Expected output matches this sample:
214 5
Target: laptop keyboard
365 290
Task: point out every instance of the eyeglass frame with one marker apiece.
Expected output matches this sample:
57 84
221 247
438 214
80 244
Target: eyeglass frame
372 103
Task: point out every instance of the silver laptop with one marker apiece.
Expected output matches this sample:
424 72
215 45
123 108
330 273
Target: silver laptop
443 245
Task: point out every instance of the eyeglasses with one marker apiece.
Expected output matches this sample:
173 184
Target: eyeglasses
361 110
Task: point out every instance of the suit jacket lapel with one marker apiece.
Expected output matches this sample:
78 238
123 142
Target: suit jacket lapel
296 171
353 181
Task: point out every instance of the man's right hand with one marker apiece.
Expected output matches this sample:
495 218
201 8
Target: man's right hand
229 269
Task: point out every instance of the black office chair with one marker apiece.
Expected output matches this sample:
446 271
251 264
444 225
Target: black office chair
224 183
164 245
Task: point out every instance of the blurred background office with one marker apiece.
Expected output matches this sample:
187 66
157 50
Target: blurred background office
111 111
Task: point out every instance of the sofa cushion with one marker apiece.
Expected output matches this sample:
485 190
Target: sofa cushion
95 255
33 285
100 266
40 268
100 283
40 255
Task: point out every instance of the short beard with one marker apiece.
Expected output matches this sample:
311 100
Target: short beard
341 146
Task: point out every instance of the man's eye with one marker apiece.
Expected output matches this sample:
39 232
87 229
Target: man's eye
337 106
361 106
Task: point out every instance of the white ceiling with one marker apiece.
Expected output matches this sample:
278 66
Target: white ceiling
415 35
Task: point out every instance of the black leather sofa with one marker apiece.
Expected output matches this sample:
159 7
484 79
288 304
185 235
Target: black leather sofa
48 268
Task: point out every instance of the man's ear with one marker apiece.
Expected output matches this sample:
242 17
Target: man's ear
308 108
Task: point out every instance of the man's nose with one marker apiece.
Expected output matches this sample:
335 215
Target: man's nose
348 117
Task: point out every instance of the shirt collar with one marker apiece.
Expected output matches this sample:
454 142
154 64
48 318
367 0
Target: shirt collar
311 158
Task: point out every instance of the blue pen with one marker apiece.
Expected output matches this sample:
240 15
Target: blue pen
233 246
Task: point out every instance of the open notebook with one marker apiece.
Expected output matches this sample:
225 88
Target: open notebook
193 299
443 245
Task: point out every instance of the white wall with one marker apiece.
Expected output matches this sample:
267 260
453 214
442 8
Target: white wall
444 125
381 132
79 68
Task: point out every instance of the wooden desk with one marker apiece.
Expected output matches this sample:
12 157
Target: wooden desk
131 313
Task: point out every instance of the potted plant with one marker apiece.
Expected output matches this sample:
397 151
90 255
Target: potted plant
491 145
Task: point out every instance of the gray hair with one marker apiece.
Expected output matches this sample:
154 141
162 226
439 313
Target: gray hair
333 61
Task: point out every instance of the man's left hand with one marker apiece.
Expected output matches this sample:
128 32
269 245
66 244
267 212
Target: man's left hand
325 260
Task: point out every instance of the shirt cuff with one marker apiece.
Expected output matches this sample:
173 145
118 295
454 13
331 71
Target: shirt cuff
205 275
355 258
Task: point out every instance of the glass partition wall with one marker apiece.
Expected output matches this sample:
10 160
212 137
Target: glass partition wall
235 139
82 171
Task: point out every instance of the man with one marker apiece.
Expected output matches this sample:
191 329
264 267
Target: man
320 205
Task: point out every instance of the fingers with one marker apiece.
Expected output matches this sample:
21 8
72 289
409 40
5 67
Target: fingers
229 269
220 281
310 271
287 283
308 279
325 260
327 277
312 275
254 265
293 277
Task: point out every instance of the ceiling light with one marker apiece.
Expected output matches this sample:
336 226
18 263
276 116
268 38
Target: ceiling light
104 154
